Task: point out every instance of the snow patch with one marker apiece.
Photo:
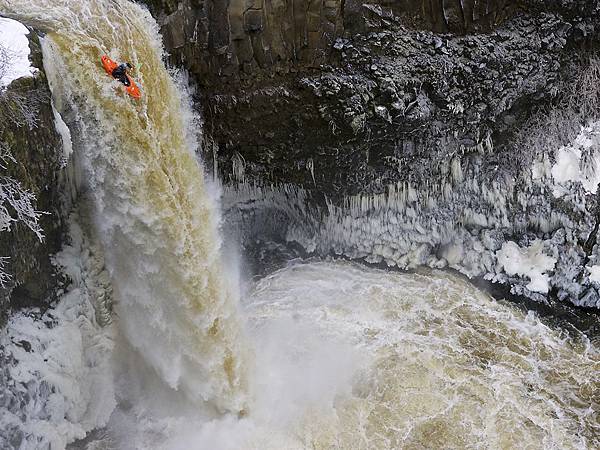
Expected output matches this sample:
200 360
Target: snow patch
14 52
529 262
569 165
594 274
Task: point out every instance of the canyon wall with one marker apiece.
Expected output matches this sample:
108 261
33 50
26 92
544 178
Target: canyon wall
28 133
406 133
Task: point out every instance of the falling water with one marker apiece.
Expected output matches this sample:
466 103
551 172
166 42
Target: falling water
354 358
152 212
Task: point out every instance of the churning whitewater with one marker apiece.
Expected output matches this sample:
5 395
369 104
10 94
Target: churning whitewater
361 358
349 357
153 347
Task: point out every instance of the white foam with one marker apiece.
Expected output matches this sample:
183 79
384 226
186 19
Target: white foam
351 357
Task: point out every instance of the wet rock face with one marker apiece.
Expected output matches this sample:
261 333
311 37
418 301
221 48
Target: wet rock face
27 130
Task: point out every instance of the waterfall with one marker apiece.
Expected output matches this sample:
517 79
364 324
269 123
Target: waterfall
151 209
149 347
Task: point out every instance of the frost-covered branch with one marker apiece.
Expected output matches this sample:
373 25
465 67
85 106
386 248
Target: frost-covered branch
16 107
16 205
19 109
16 202
5 156
4 275
5 58
585 95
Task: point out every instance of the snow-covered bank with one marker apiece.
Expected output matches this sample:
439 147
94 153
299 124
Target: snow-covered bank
14 52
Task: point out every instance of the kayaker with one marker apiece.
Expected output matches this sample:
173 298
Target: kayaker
120 73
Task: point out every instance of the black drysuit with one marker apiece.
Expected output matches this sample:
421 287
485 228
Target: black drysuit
120 73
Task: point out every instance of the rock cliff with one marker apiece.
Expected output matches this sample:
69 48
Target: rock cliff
28 133
403 132
369 81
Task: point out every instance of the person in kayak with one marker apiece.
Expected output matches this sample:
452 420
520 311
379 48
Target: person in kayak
120 73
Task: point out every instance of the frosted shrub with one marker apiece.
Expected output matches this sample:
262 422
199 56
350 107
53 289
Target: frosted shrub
5 56
15 107
19 109
16 202
16 206
586 92
561 123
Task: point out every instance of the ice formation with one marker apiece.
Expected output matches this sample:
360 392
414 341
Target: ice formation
461 220
579 162
65 135
56 380
530 262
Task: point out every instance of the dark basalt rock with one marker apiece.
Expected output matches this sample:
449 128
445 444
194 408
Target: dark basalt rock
392 96
357 88
37 151
241 39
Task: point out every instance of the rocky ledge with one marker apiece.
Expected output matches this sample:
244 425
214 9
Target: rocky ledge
441 133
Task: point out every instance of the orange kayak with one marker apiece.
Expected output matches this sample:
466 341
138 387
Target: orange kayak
110 65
